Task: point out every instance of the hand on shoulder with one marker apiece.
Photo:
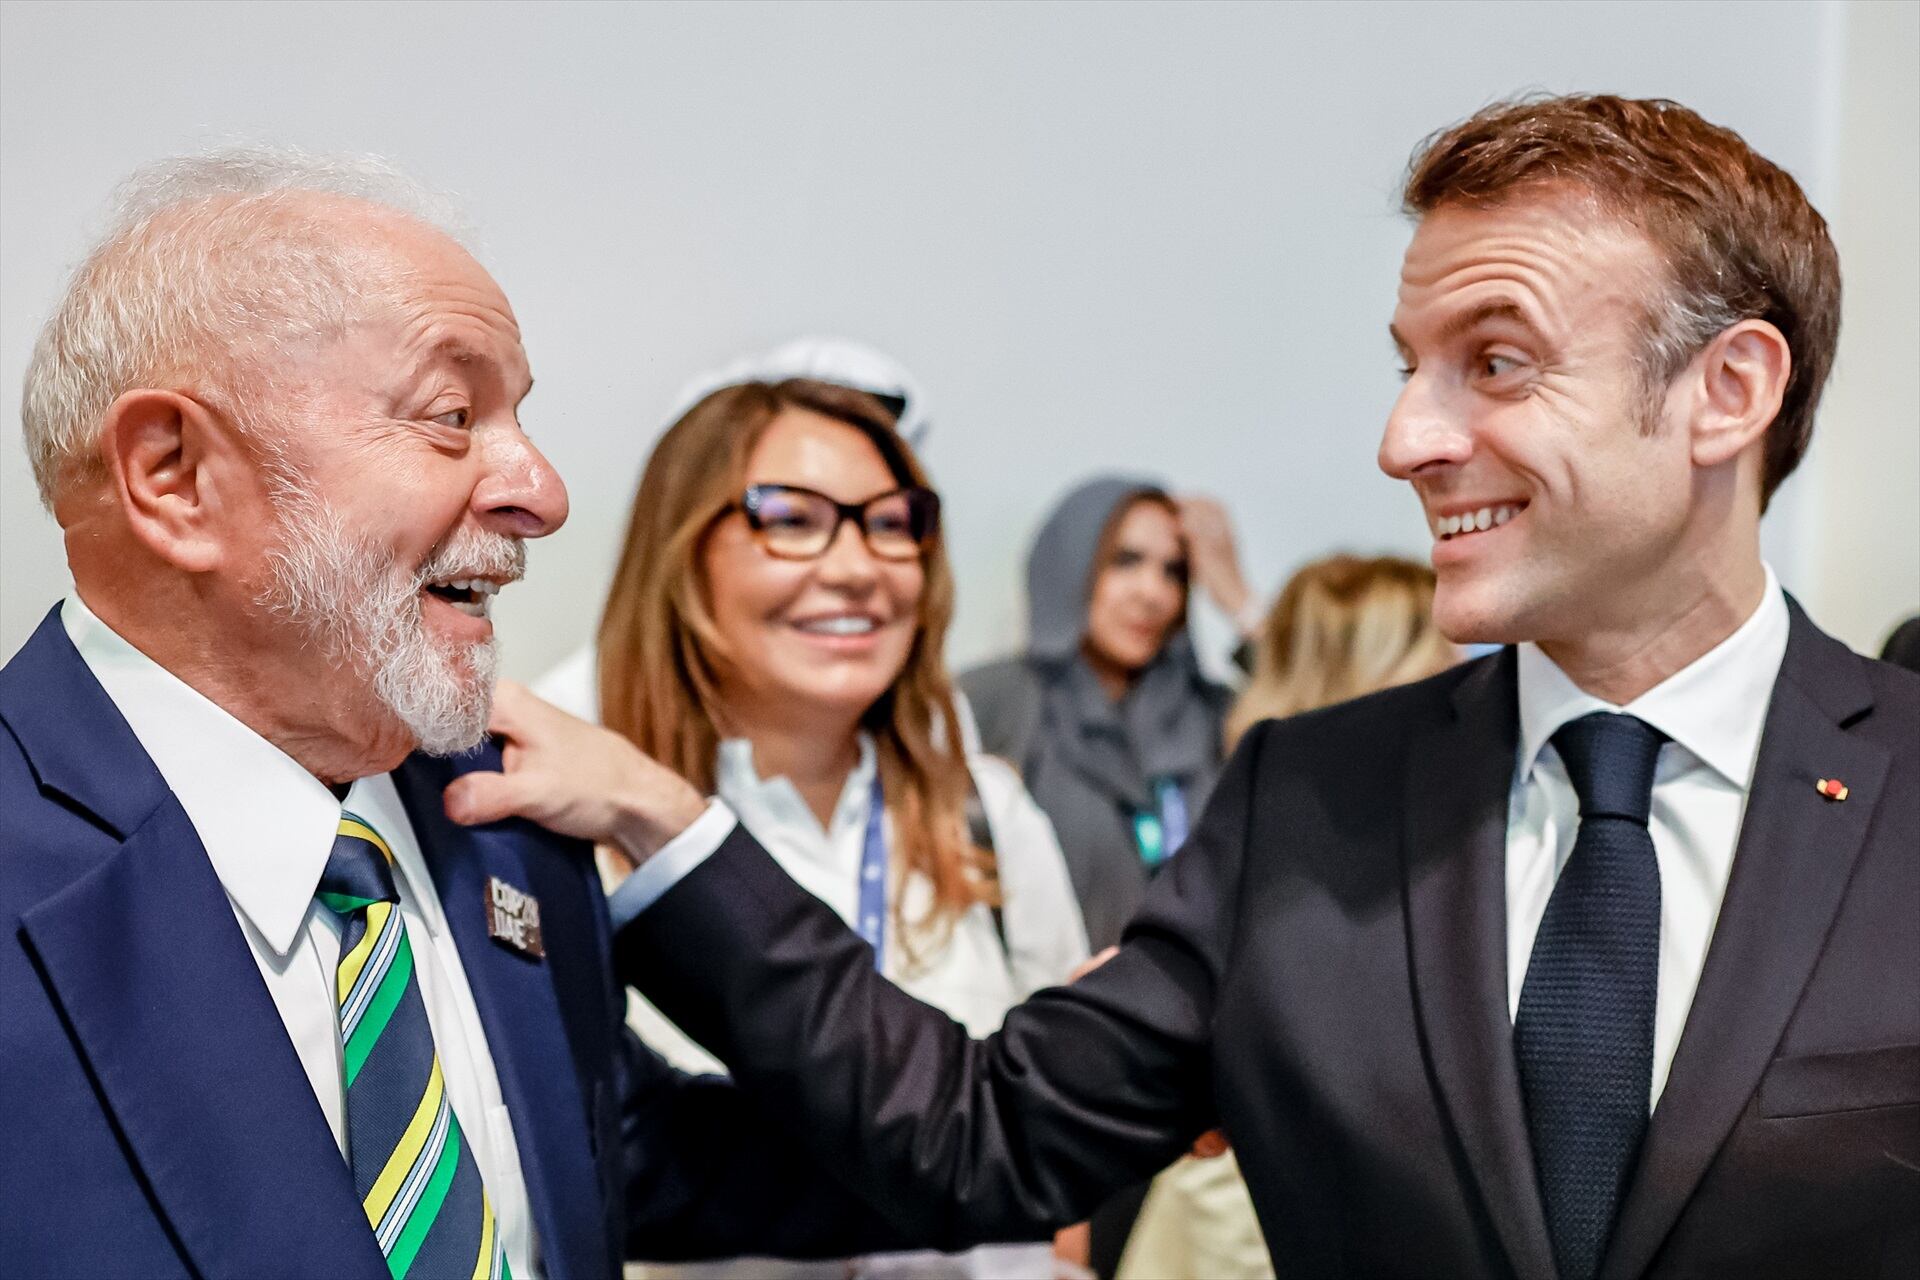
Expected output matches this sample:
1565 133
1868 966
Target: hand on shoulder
574 778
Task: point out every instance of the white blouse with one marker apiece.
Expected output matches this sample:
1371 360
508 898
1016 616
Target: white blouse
965 972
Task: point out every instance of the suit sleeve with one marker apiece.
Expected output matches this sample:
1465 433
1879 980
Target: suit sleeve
710 1175
1085 1089
697 1168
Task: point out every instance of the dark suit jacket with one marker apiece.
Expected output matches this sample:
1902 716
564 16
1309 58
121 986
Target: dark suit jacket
1323 971
155 1120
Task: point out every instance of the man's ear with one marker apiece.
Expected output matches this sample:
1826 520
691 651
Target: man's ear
1743 375
176 470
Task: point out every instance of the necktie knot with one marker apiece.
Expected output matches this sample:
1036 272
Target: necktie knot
359 869
1610 759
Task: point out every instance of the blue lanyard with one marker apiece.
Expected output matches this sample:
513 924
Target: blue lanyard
872 920
1173 813
1160 832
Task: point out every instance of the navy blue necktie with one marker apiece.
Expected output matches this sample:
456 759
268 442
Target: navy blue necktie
1584 1032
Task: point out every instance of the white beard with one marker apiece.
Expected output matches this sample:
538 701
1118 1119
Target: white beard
355 602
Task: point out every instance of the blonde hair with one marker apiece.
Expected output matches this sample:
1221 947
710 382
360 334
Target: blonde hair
1343 627
658 645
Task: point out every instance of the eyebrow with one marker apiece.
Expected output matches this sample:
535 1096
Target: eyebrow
1474 317
454 349
450 350
1142 553
1471 319
460 352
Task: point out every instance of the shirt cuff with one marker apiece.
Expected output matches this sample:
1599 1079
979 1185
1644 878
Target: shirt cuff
676 858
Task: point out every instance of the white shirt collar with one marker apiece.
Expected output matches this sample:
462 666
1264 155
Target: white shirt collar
742 787
1715 706
267 824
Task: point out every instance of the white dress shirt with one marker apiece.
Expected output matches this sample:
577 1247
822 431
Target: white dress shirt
1713 710
268 826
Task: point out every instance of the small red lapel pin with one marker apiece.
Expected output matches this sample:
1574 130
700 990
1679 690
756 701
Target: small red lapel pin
1831 788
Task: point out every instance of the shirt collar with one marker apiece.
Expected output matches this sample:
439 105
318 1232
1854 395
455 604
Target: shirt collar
741 785
1715 706
266 823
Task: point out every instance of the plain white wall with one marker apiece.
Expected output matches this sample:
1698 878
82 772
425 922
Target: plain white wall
1161 237
1862 505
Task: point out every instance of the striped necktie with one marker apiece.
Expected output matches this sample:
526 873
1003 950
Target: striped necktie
412 1168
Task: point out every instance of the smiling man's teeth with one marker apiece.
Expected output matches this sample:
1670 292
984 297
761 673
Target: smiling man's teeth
1473 521
844 626
471 596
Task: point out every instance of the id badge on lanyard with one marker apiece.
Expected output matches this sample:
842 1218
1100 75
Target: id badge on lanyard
872 919
1159 833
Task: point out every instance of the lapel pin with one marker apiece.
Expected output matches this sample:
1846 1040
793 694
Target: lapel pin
1831 788
513 917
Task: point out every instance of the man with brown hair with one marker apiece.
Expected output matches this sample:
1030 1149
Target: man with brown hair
1590 958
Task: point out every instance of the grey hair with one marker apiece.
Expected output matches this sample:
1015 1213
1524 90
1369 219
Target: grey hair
1678 326
208 263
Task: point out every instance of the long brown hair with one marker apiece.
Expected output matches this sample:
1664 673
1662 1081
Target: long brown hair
658 645
1343 627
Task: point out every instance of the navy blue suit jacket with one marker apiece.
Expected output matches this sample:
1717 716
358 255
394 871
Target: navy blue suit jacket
157 1121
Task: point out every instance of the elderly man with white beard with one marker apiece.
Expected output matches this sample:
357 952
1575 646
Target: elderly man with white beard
268 1012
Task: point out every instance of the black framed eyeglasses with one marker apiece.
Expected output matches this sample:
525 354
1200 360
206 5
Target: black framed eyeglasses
799 524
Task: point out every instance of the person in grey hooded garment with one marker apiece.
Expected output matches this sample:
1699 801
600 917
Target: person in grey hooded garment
1119 749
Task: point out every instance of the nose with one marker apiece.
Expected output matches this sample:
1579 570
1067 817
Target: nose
1424 430
521 494
1173 598
1163 592
1148 592
847 562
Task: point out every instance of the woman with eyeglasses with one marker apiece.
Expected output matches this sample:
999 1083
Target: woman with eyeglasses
774 634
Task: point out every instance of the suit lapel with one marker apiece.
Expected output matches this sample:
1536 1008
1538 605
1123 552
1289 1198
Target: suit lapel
1790 869
80 746
193 1062
1454 850
162 996
518 1008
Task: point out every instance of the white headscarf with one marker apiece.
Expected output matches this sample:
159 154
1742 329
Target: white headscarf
840 361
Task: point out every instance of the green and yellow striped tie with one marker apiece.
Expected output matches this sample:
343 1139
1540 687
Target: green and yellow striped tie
411 1165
